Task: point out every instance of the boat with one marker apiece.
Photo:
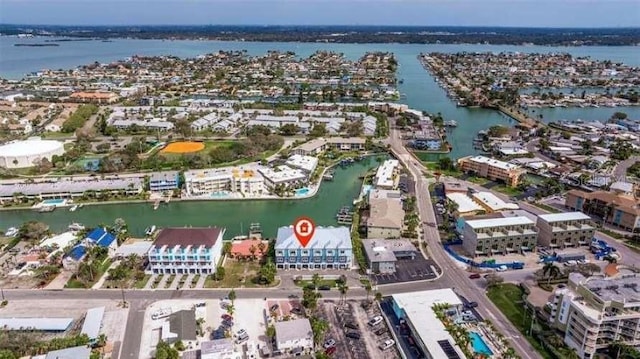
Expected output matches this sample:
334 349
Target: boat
80 205
76 227
45 209
73 208
11 232
450 123
149 231
156 204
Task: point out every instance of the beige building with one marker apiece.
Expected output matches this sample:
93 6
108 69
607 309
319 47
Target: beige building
499 236
594 312
562 230
386 215
213 181
616 209
492 169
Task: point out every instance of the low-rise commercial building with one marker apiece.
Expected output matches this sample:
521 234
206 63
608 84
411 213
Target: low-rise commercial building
499 236
383 254
294 336
616 209
492 169
387 175
431 337
164 181
330 248
386 215
561 230
186 251
595 312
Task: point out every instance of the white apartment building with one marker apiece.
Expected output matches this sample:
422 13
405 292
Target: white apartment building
209 182
595 312
186 251
386 176
499 236
561 230
305 163
282 175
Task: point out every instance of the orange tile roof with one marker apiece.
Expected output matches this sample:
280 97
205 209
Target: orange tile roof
242 247
93 95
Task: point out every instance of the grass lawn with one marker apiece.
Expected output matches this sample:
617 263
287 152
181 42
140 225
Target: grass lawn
170 280
546 207
57 135
237 274
139 284
481 181
609 233
303 283
508 298
509 191
433 166
74 283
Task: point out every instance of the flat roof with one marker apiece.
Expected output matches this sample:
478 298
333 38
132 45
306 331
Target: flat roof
139 248
93 322
464 202
493 202
323 237
417 308
185 237
382 250
293 330
493 162
29 147
385 211
61 240
79 352
498 222
44 324
307 163
561 217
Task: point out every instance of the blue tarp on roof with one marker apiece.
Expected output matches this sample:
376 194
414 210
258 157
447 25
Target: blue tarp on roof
78 252
101 237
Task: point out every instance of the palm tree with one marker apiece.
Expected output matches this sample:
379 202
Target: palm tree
378 296
253 250
367 287
232 296
315 280
343 292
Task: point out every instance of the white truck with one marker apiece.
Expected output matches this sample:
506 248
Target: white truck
161 313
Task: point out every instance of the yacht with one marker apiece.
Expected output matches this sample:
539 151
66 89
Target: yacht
73 208
76 227
149 231
11 232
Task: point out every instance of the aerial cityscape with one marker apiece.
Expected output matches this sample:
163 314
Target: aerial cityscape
264 179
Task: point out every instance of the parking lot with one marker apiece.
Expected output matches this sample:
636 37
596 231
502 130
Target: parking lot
354 338
409 270
402 332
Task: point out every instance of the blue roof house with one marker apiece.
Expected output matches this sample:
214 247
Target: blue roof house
98 237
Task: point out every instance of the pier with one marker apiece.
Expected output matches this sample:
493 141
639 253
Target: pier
522 119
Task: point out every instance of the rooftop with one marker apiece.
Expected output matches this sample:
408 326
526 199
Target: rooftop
464 202
625 289
183 323
323 237
93 322
44 324
382 250
80 352
293 330
566 216
493 162
499 222
493 202
385 211
188 237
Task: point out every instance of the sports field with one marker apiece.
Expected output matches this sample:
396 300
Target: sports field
183 147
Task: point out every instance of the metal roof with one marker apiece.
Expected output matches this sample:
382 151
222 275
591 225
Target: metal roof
81 352
44 324
93 322
323 237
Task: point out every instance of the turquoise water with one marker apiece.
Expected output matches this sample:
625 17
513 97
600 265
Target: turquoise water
53 201
302 192
479 346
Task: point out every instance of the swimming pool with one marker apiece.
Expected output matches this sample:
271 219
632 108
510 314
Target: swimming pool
479 346
302 192
51 202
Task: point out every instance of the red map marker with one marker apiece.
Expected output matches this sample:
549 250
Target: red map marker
304 228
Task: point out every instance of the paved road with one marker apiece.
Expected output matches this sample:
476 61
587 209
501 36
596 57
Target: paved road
453 277
620 171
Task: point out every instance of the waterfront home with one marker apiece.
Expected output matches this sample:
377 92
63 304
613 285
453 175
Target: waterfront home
492 169
99 237
248 248
164 181
346 143
294 336
186 251
311 148
330 248
561 230
499 236
387 175
386 215
212 182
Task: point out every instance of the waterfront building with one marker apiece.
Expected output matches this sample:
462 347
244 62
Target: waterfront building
282 175
616 209
561 230
383 254
305 163
212 181
386 175
499 236
346 143
492 169
186 251
465 205
164 181
311 148
294 336
99 237
386 215
70 187
330 248
431 337
595 312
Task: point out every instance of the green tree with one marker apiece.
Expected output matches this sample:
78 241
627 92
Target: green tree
315 280
270 332
445 164
319 327
232 296
226 248
318 130
267 272
289 129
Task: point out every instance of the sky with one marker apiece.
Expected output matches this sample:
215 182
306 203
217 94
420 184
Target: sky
507 13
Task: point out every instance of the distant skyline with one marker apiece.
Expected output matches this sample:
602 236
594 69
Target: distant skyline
504 13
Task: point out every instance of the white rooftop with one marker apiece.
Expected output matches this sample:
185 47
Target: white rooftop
307 163
384 175
282 174
323 237
493 202
31 146
61 240
417 308
498 222
465 204
493 162
561 217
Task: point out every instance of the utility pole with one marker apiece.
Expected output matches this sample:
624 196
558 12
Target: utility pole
2 291
124 302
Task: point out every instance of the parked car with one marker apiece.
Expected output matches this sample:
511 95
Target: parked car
353 335
380 331
200 305
241 332
411 341
472 304
274 308
297 310
375 321
324 287
226 317
329 343
474 276
330 351
351 325
387 344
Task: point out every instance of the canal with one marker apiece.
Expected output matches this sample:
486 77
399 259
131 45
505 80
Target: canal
236 216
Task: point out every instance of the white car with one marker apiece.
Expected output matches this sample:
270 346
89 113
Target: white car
329 343
387 344
241 333
375 321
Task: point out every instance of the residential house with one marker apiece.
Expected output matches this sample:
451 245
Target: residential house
330 248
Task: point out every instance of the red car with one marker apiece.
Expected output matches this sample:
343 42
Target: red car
475 276
226 317
330 351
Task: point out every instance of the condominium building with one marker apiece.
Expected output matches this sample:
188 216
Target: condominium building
387 175
283 175
621 210
212 181
595 312
499 236
311 148
164 181
346 144
561 230
329 248
186 251
305 163
386 215
492 169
